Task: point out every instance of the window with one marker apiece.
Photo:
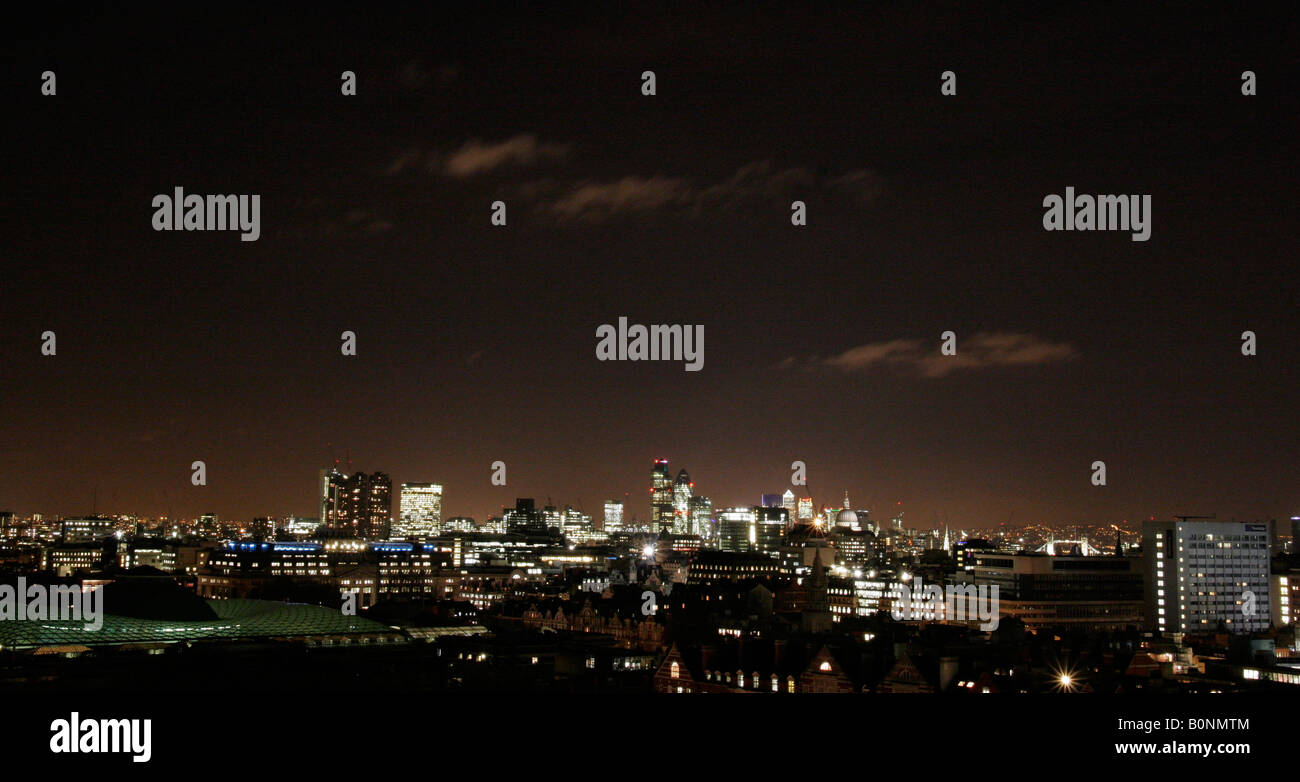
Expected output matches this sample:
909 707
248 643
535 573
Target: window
675 671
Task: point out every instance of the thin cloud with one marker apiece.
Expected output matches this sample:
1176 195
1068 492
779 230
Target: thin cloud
590 200
585 199
597 200
476 157
985 350
904 351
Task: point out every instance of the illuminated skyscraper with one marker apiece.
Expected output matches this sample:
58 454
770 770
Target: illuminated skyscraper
770 525
737 529
524 518
1207 576
331 490
788 502
701 517
553 519
805 512
372 505
661 497
420 511
613 515
577 525
682 503
359 506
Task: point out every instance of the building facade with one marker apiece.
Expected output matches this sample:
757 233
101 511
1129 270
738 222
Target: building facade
1207 576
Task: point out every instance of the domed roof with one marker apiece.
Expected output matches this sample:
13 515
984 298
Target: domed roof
846 518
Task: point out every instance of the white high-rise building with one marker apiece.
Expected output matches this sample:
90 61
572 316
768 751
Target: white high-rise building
578 526
701 517
613 516
682 490
553 519
1204 575
420 513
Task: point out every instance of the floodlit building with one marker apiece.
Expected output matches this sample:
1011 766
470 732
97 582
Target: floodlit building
737 530
682 490
578 526
1204 576
701 517
420 511
359 506
613 515
661 497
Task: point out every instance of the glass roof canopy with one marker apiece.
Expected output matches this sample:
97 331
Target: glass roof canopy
235 619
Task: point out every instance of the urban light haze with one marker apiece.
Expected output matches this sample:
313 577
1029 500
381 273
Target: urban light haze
476 343
352 360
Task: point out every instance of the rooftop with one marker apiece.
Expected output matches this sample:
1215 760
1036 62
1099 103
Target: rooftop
235 619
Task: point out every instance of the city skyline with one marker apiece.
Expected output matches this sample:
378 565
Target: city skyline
372 374
833 499
478 343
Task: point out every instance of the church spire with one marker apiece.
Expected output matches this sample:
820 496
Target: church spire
817 599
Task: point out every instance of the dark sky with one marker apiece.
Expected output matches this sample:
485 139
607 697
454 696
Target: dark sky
477 343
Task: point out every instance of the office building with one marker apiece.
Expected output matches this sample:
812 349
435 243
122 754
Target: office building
1207 576
524 518
770 526
87 529
661 497
682 489
701 517
1098 593
737 531
420 511
613 516
578 526
356 506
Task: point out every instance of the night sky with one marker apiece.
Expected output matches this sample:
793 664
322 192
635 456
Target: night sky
477 343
